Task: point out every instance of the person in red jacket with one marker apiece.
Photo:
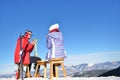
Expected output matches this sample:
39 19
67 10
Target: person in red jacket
27 47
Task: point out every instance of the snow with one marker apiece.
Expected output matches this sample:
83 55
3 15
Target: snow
90 64
70 78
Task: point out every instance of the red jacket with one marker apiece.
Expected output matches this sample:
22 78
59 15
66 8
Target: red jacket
27 47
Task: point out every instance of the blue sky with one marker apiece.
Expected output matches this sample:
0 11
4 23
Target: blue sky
91 28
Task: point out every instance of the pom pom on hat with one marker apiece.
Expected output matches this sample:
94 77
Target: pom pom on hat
55 26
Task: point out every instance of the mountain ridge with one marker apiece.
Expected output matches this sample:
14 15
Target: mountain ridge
81 70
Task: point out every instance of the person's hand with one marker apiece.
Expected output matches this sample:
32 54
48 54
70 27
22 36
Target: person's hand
34 41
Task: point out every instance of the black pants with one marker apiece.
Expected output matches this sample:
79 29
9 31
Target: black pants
34 60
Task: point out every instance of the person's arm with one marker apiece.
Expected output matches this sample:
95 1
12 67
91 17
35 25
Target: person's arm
31 46
48 43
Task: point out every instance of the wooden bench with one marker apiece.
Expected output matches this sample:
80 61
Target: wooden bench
57 62
41 63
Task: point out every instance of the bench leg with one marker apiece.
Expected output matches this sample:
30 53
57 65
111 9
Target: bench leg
28 73
45 70
51 70
36 71
63 69
56 71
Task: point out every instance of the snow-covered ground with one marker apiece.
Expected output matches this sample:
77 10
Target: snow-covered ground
70 78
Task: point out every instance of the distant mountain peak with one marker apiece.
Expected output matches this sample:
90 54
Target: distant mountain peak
90 64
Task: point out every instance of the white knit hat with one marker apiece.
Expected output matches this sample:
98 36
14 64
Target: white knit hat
54 26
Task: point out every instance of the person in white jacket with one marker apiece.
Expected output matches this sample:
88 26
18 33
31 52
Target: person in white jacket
55 44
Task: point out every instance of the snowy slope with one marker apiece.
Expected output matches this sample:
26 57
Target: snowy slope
71 78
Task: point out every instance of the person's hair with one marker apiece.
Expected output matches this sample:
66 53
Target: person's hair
28 31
